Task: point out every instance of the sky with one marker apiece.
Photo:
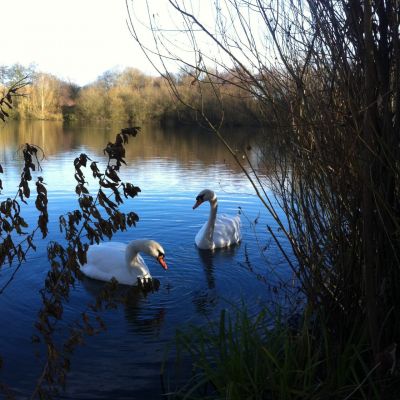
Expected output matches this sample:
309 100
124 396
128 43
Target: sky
76 40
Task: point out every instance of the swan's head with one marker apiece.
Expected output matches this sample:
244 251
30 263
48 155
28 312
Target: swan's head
204 195
155 250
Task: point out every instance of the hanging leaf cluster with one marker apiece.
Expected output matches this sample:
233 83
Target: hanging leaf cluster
97 218
15 240
12 223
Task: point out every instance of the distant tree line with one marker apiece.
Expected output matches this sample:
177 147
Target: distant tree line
128 96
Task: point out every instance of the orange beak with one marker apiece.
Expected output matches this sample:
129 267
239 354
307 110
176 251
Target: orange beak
162 262
198 202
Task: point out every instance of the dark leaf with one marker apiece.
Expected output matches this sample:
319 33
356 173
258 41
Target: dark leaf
15 206
40 204
21 221
41 188
103 199
130 190
20 254
107 184
6 226
83 158
95 212
118 198
42 223
110 173
132 131
82 249
21 196
132 218
26 189
79 177
95 170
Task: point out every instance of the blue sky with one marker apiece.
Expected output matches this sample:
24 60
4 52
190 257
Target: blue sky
75 40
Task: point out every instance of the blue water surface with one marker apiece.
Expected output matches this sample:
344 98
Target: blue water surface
170 167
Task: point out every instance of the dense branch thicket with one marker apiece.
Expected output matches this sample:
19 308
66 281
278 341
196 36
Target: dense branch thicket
326 74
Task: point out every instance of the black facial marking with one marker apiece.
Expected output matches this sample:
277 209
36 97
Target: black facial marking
200 197
161 254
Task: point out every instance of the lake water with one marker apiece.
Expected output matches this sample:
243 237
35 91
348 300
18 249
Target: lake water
170 167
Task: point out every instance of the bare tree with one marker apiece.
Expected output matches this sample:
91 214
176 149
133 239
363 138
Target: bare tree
326 76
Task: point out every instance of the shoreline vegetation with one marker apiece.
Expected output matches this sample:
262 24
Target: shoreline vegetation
128 96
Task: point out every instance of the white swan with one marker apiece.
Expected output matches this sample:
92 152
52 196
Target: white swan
122 261
217 232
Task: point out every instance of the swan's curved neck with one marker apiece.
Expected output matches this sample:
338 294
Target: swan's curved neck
133 260
209 232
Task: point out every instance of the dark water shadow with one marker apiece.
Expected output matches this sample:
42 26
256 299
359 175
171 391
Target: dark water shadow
205 301
210 257
132 299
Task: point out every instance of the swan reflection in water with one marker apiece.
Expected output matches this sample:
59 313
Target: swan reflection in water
206 300
210 258
132 299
